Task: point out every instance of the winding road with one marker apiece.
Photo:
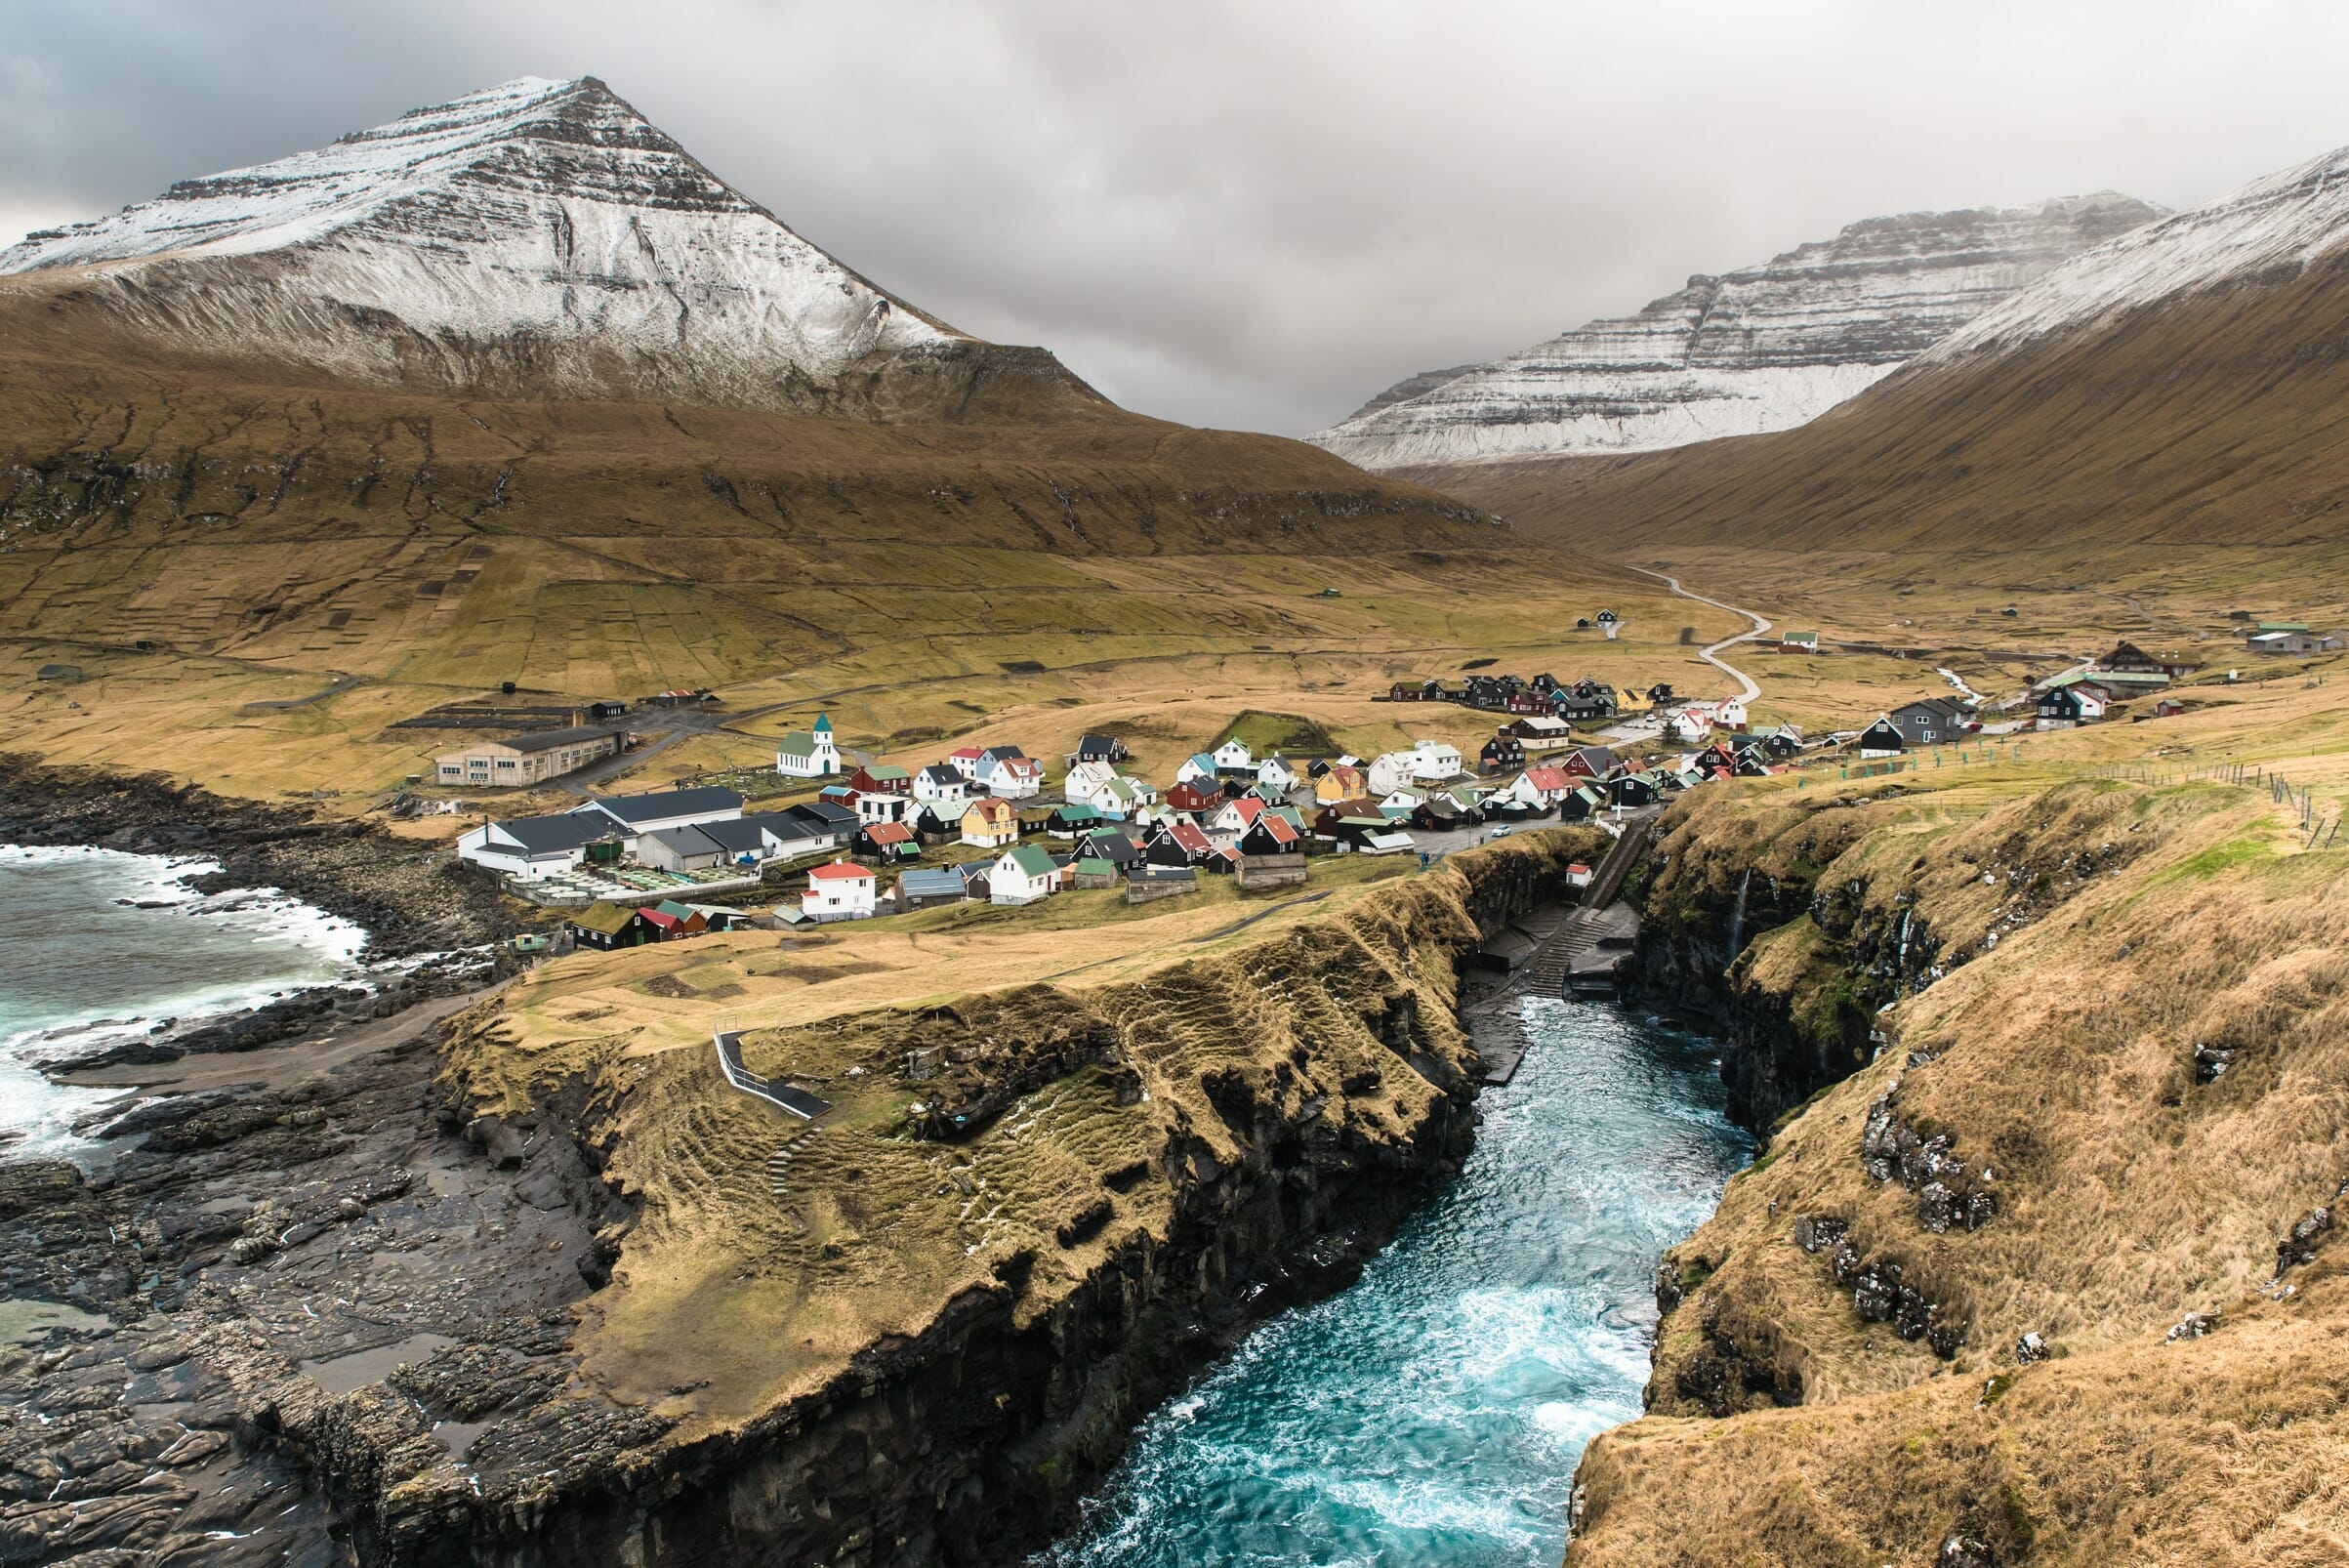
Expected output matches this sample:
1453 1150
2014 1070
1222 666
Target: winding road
1752 691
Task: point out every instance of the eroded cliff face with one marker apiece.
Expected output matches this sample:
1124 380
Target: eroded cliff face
2027 1238
1761 348
1096 1193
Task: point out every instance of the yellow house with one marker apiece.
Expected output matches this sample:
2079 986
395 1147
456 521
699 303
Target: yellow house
991 823
1340 783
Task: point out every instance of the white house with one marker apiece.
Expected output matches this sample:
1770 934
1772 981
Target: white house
1433 760
1088 784
1014 778
1541 787
1022 876
1125 796
880 807
1275 775
535 847
1197 766
1236 815
1403 800
1086 777
840 890
1730 714
1234 755
941 788
1389 772
808 752
966 760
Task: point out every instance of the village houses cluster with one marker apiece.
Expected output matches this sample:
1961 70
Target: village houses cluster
988 824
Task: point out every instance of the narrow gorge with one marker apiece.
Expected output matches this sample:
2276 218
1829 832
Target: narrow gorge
2037 1122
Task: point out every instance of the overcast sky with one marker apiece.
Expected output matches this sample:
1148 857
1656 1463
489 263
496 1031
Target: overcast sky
1249 213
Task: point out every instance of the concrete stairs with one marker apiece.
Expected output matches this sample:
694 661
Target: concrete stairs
778 1163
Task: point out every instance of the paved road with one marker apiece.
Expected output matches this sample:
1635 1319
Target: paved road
1752 691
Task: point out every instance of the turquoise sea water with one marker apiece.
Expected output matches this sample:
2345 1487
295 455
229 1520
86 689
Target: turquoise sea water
1433 1414
81 967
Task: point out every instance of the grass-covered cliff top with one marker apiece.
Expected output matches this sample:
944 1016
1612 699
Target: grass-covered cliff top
1095 1097
2102 944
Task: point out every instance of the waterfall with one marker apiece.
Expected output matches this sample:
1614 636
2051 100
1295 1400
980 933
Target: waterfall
1737 914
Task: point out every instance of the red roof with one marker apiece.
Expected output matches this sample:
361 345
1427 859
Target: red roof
1279 828
842 870
1546 778
889 832
966 753
1249 807
667 923
1578 869
1190 838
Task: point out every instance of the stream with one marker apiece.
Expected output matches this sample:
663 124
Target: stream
1433 1414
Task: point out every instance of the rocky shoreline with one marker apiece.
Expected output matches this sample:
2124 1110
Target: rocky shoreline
326 1316
409 901
434 928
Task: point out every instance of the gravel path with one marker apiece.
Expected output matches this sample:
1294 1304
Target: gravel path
1752 688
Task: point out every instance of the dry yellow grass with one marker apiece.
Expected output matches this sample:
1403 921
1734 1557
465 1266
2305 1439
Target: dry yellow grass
2106 928
880 1229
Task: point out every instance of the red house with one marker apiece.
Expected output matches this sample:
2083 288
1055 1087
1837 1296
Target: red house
1189 796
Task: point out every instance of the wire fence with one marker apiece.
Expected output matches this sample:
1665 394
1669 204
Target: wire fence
2316 829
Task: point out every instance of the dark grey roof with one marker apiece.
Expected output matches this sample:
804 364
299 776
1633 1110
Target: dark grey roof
940 774
1946 708
1097 743
1112 846
634 808
743 837
546 740
552 835
823 815
685 841
996 754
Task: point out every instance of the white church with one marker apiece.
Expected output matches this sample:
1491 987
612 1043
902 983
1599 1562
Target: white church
808 752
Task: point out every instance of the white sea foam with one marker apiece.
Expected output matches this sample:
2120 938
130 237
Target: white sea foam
91 969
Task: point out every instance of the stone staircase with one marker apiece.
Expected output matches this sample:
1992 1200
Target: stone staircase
778 1163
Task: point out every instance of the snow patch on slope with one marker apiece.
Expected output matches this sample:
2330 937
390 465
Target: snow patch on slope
539 226
1763 348
2275 226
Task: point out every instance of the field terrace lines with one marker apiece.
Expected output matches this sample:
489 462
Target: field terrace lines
817 1244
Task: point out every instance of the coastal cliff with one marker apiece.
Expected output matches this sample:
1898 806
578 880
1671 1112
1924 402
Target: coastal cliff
519 1301
2054 1127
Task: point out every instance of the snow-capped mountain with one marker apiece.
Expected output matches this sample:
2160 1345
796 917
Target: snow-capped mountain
1763 348
2271 231
539 237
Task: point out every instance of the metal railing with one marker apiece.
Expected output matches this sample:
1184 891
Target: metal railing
798 1101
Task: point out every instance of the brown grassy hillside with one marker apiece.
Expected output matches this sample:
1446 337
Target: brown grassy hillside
2070 956
2192 452
203 536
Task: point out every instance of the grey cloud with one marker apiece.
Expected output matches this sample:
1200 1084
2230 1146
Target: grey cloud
1241 214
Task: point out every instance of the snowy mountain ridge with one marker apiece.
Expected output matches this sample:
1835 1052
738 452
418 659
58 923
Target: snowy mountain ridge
2276 226
1761 348
538 237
